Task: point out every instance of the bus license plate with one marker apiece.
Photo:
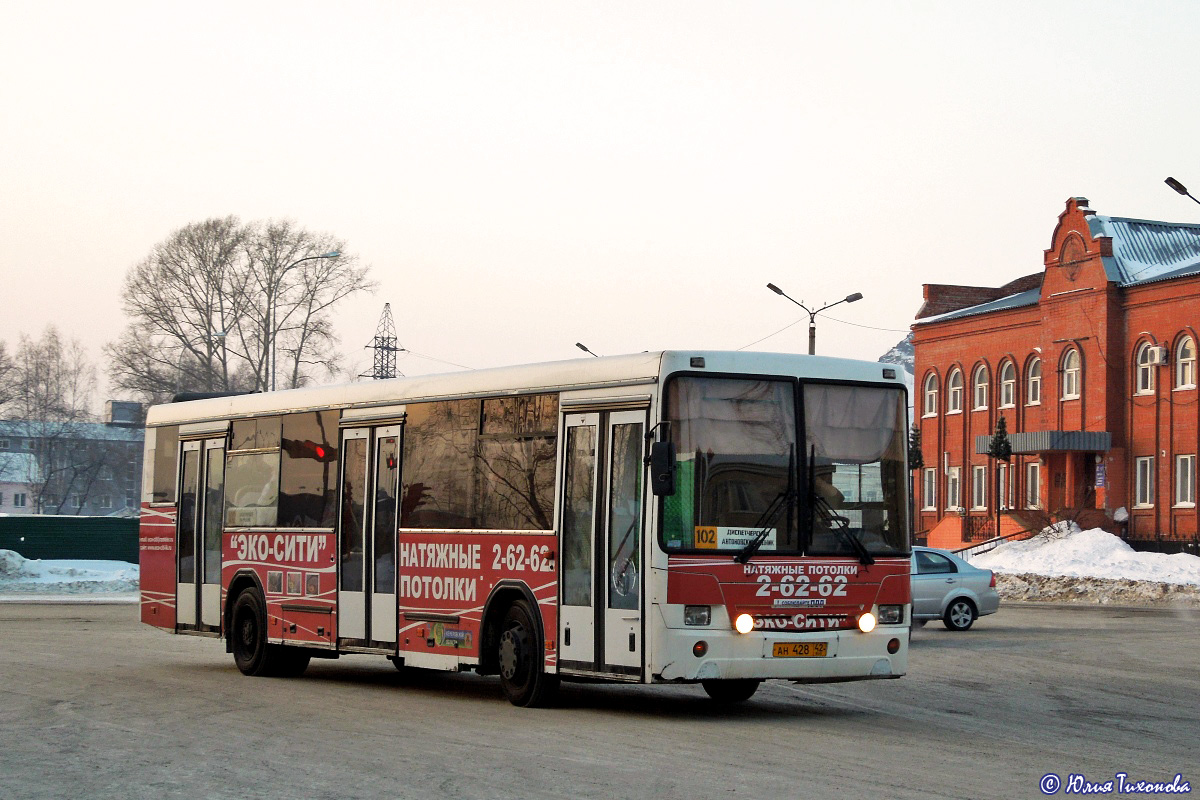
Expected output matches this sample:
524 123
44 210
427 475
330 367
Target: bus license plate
800 649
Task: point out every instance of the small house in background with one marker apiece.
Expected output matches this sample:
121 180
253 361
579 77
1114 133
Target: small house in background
1092 364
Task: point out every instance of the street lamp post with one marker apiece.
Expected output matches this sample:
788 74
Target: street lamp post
1179 187
812 315
272 299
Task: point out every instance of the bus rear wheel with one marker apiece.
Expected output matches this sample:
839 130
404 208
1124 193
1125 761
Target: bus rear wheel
731 691
248 639
519 655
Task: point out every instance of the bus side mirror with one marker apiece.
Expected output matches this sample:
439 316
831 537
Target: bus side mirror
662 468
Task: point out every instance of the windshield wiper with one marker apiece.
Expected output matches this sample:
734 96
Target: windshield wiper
841 525
819 505
781 501
784 499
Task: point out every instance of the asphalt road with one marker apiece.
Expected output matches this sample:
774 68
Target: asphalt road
93 704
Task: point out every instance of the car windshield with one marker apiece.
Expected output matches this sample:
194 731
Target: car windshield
740 477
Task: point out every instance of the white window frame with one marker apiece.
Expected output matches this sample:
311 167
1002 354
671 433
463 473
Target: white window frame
1143 381
1185 363
979 388
953 488
1006 486
1143 482
1008 385
19 500
979 492
931 395
954 392
1033 384
1033 484
929 490
1071 374
1185 481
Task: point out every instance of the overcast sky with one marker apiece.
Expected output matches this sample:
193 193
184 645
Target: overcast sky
523 176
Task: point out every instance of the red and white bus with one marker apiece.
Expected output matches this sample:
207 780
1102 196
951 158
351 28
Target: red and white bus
693 517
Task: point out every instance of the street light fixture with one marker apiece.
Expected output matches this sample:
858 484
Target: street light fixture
272 299
812 315
1179 187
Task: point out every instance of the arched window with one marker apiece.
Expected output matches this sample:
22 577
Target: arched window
1033 383
1070 375
954 391
979 388
1144 375
1008 385
1185 364
931 393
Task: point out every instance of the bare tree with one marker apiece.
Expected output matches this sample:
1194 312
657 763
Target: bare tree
209 302
52 387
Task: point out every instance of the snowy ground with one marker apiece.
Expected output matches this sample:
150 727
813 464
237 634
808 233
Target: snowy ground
1092 566
1076 566
74 581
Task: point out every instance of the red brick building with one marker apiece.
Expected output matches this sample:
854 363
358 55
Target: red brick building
1092 364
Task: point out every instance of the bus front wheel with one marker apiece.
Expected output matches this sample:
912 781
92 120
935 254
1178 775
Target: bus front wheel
731 691
519 655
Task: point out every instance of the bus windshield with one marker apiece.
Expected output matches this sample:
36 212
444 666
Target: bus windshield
744 475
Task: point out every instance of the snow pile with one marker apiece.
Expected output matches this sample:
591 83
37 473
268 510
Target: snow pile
1092 566
1088 554
24 576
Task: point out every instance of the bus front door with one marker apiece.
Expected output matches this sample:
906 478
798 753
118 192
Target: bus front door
600 620
198 534
367 526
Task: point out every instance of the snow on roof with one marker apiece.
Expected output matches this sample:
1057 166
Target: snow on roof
90 431
1091 553
1018 300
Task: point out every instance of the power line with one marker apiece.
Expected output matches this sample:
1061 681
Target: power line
832 319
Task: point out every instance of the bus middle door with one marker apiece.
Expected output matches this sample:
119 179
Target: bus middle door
367 525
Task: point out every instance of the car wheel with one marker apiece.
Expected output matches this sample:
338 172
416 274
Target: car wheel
960 614
519 654
731 691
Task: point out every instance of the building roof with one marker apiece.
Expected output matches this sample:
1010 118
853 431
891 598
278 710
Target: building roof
1145 251
1018 300
18 467
88 431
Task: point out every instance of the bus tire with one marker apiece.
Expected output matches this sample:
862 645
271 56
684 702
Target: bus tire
519 655
248 641
248 633
731 691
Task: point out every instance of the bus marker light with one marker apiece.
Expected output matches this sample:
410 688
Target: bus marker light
744 623
700 649
866 623
893 646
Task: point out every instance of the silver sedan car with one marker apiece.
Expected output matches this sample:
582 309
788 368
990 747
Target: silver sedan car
947 588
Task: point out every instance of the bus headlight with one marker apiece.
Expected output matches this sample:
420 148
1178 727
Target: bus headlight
866 622
744 623
697 615
891 615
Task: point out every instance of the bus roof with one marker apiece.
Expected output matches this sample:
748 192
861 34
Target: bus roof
554 376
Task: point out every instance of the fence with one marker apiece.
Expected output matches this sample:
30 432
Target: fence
46 536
